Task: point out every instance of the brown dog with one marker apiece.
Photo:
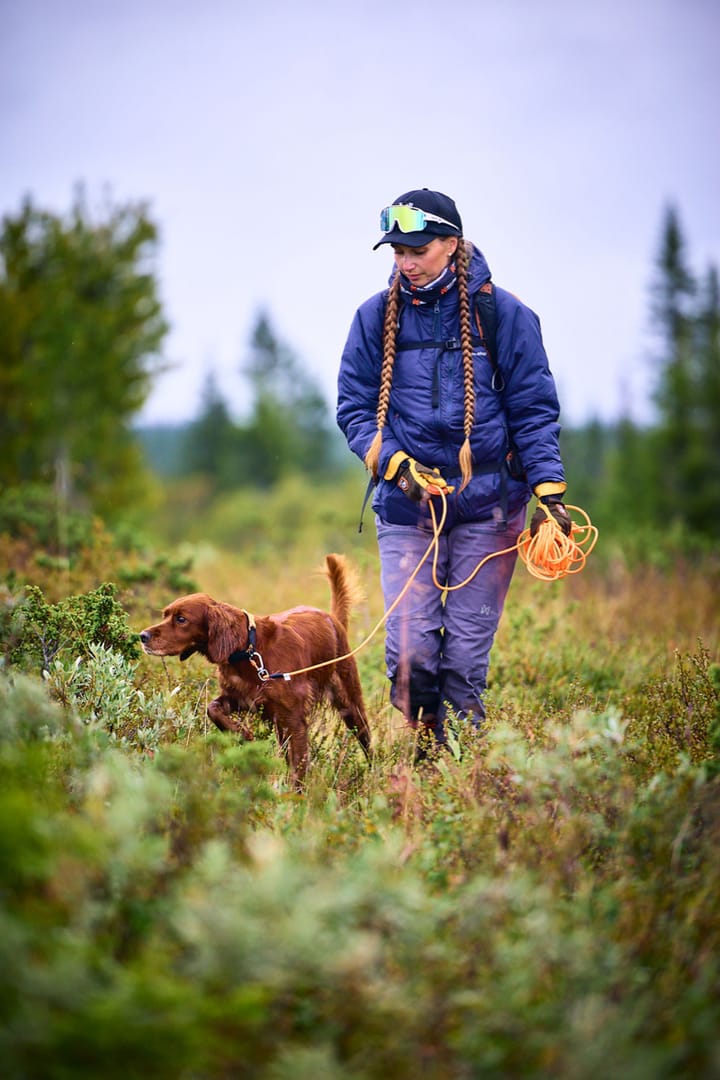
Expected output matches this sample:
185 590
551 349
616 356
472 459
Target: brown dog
249 653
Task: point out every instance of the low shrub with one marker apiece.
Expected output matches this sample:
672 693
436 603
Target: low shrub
38 631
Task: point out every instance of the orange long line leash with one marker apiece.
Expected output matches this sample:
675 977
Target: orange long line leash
548 556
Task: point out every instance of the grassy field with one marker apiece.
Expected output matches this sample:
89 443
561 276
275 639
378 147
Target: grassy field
541 902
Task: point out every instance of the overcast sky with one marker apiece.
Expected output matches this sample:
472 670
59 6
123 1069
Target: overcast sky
266 137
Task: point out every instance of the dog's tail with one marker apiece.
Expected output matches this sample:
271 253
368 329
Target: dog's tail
344 585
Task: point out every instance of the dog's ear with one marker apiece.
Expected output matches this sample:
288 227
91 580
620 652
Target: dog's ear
227 632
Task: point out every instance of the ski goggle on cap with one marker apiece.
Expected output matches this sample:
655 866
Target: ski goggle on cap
417 216
409 219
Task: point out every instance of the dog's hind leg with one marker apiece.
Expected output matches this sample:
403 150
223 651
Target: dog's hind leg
345 693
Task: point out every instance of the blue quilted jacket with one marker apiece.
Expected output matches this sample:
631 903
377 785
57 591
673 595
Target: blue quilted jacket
425 418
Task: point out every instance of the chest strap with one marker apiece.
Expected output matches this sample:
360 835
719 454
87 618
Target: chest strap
448 345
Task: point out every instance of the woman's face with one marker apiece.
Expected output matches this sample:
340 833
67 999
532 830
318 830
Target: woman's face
421 265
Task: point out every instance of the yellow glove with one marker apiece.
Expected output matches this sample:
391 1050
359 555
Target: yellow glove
416 481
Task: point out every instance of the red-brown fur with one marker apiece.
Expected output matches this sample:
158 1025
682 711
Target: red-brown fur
286 641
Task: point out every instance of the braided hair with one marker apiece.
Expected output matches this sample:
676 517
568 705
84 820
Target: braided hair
390 328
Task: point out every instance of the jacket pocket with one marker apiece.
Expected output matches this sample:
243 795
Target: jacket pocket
397 509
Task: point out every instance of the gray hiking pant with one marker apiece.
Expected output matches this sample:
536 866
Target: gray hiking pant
437 646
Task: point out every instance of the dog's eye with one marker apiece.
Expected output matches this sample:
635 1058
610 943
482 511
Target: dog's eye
180 619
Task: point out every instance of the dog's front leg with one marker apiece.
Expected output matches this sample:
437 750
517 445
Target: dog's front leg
224 714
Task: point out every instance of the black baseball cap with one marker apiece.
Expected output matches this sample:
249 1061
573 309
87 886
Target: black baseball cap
438 216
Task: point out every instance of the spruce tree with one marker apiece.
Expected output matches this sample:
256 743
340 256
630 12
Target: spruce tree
704 494
676 384
81 328
210 443
289 427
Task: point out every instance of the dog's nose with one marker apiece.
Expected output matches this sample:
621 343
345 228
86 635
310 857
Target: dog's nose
144 637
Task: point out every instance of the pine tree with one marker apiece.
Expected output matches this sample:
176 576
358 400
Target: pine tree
687 440
289 428
81 327
211 441
676 388
704 506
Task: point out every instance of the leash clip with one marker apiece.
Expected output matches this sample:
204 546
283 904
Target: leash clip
257 662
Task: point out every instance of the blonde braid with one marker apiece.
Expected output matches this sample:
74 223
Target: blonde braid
462 256
372 457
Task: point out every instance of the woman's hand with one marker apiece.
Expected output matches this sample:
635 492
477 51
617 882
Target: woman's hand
416 481
556 508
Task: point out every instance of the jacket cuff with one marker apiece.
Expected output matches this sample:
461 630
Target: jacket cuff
550 487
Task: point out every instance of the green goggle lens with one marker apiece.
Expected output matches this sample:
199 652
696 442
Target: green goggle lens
409 219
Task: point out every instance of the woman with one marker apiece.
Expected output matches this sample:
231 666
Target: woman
418 385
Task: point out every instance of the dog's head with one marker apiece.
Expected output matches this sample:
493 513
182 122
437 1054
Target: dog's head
196 623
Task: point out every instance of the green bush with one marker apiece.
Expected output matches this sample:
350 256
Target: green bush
33 512
527 907
38 631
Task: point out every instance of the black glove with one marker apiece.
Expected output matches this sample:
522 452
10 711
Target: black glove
416 481
557 509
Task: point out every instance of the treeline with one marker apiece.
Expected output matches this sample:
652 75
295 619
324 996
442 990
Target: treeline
288 428
81 333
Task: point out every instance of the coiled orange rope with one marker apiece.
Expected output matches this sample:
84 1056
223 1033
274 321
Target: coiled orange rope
550 554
